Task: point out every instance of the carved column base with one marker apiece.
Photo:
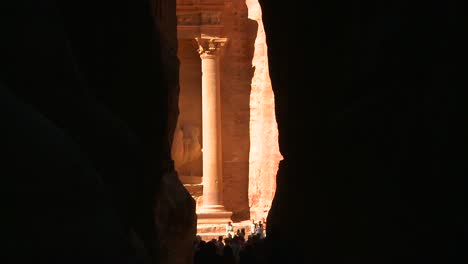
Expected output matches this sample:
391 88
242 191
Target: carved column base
213 214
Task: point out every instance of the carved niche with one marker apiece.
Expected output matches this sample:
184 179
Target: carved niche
186 145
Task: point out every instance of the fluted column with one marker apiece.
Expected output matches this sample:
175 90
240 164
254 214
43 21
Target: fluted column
212 209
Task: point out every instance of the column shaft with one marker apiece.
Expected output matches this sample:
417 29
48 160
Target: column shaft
212 210
212 163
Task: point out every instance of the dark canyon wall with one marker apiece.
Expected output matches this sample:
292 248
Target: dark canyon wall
371 126
175 208
89 105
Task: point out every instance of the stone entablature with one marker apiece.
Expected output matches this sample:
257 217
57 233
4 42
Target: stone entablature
197 17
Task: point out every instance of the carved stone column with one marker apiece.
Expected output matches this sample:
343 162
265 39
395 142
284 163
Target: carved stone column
212 210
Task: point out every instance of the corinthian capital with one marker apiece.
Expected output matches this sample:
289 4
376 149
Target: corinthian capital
210 46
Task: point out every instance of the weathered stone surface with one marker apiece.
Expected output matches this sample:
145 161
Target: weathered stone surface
264 150
370 139
250 151
104 92
175 208
235 89
186 146
175 221
190 99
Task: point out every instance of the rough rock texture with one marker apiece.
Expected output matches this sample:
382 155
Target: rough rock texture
190 118
93 88
176 221
264 149
175 208
186 147
235 89
369 109
166 23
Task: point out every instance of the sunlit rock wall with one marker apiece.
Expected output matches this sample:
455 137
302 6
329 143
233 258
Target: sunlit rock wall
236 74
250 150
264 150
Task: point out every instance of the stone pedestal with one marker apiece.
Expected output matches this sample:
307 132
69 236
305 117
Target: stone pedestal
212 210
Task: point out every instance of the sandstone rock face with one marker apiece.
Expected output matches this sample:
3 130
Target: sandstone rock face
236 70
190 117
176 221
186 146
264 150
175 217
368 137
104 90
250 150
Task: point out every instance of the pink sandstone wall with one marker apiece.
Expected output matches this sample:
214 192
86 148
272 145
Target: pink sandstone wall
236 68
264 149
174 208
249 134
186 148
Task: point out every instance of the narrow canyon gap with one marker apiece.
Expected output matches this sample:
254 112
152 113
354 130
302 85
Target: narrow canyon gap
369 104
245 131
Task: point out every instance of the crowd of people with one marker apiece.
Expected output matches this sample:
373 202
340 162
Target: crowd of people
233 248
255 229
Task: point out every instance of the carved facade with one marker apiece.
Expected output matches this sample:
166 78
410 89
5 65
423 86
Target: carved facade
248 145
